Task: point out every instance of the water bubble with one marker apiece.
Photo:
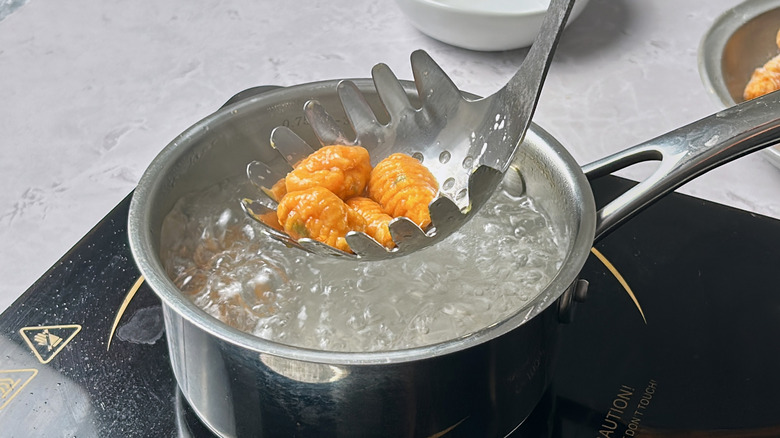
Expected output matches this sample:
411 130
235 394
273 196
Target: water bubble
421 325
444 157
418 156
448 184
357 322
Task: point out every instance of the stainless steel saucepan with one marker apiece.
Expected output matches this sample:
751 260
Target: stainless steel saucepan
485 384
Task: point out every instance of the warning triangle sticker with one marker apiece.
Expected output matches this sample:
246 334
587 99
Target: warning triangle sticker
47 341
12 382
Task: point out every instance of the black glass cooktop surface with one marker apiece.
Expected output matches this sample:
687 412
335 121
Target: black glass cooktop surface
677 337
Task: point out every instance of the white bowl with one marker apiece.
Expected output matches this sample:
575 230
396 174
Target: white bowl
488 25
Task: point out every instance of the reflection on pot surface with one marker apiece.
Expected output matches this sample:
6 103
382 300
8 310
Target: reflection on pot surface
489 270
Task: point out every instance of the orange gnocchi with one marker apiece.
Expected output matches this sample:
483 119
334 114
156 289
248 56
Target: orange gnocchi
344 170
403 187
334 191
376 219
318 214
765 79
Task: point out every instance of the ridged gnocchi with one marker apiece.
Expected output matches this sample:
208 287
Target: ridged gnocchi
764 79
344 170
376 219
403 187
334 190
317 213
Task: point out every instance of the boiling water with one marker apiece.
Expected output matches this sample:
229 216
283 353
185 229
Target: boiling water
478 276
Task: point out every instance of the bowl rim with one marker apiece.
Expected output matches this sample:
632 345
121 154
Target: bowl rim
475 11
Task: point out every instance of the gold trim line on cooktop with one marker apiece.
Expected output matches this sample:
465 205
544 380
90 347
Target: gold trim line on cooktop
123 307
620 280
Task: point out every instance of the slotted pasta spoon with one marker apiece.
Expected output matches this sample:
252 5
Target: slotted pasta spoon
466 144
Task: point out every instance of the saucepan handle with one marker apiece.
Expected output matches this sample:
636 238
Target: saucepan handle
686 153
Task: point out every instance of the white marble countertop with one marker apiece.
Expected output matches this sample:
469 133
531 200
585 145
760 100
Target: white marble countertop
91 91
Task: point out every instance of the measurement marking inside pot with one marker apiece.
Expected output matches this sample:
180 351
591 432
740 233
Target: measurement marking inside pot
620 280
122 309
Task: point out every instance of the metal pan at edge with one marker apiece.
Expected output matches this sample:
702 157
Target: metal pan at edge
742 39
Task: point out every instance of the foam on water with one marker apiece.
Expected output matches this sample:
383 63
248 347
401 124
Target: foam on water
480 275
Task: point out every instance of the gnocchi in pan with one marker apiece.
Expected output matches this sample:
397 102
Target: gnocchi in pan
765 79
